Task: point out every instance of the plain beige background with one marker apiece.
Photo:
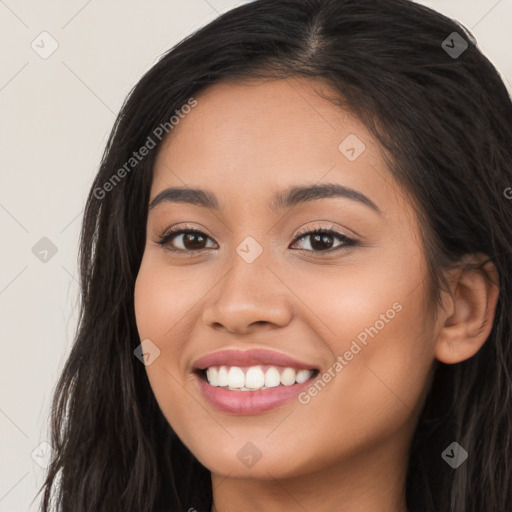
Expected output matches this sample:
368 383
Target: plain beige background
56 113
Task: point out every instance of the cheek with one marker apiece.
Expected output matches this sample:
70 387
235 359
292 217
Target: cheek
375 319
164 303
374 393
158 320
159 317
379 305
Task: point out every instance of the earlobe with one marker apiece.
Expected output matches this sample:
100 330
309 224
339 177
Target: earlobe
475 293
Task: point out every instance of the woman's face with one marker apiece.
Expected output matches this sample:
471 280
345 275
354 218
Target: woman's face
351 309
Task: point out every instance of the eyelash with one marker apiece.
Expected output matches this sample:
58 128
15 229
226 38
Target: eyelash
347 241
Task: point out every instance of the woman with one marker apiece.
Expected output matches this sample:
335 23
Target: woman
295 266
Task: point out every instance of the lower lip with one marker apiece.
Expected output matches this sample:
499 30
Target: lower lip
250 402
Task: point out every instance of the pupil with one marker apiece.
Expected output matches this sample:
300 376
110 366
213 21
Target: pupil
323 239
189 238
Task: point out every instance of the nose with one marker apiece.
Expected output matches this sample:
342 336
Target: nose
249 297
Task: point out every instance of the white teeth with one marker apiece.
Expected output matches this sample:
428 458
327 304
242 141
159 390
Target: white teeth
223 376
233 377
272 378
236 377
303 376
254 378
213 376
288 377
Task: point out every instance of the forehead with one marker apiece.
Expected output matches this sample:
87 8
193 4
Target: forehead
252 137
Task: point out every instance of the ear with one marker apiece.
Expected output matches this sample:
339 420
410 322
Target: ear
469 320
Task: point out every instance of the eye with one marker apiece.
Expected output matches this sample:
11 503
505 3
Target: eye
191 242
321 240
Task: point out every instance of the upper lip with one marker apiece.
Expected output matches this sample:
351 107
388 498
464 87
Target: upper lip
252 357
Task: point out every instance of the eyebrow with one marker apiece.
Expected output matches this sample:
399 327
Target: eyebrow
285 199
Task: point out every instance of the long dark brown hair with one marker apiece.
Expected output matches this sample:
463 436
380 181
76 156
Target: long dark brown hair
446 122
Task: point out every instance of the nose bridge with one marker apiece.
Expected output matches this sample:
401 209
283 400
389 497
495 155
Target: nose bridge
249 277
249 292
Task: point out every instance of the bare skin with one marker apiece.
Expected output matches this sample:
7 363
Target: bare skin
347 448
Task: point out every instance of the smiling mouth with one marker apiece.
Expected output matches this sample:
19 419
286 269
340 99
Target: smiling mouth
254 378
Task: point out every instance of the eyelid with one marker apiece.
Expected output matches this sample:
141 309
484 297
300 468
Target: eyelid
329 227
311 229
184 227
